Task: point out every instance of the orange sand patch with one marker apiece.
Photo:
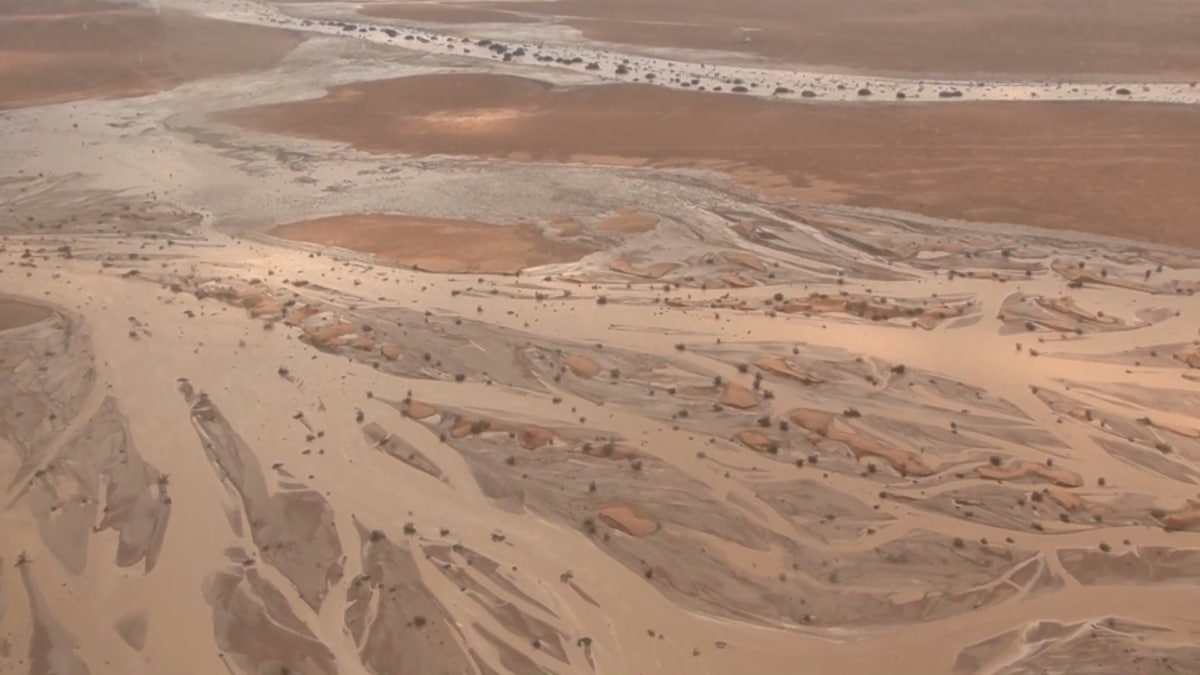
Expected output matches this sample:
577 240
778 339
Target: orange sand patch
1068 501
624 518
531 436
391 351
298 315
582 366
783 368
737 396
260 303
629 221
329 335
436 245
1189 357
755 440
1132 160
816 421
1022 470
933 316
1187 518
66 50
652 271
418 410
737 281
862 445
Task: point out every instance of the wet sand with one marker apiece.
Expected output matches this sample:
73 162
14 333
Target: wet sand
518 389
977 162
915 36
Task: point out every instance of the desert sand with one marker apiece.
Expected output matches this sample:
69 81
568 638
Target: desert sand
66 50
968 161
362 354
1026 37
